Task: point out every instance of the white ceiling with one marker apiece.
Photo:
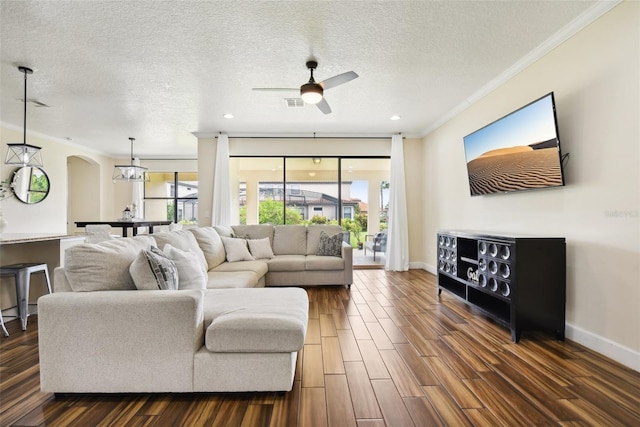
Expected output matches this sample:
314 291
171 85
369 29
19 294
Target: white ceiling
161 70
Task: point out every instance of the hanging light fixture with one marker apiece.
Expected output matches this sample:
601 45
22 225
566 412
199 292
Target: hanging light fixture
24 154
130 173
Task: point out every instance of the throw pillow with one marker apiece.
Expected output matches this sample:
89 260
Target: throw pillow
313 235
104 266
236 249
330 245
211 245
153 270
224 230
260 248
190 272
182 239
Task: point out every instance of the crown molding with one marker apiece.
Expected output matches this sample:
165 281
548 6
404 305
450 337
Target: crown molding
565 33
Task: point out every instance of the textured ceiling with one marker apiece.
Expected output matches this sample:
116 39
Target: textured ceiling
161 70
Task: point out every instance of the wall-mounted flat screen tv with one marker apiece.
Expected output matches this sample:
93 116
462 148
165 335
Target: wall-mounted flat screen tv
520 151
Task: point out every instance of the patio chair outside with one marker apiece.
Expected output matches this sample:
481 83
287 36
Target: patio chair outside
376 243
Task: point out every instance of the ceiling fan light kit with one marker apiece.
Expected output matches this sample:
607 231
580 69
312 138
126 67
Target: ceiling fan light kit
24 154
311 93
130 173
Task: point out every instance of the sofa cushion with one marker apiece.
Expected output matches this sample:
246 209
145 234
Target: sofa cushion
152 270
181 239
190 272
287 263
232 279
258 267
330 245
255 320
104 266
209 241
224 230
254 231
236 249
290 240
313 235
328 263
260 248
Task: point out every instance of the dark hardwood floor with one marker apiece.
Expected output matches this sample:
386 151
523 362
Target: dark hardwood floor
387 352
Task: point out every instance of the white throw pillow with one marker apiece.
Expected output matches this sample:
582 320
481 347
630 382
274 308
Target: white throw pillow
190 272
260 248
211 245
224 230
236 249
182 239
104 266
153 270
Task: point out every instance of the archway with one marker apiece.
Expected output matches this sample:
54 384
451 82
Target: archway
83 180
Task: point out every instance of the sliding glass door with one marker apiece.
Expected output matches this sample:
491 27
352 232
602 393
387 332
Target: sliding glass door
352 192
312 190
365 183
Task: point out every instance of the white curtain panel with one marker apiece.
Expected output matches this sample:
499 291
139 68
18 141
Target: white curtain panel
221 210
138 194
397 255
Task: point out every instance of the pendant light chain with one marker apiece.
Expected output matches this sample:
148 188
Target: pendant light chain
24 121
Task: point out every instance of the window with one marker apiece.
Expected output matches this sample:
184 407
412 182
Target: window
347 212
294 190
172 196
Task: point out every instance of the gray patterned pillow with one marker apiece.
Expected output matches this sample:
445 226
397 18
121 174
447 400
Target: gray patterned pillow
330 245
153 270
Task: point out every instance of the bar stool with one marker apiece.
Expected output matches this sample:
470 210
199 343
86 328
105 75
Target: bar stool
4 330
22 274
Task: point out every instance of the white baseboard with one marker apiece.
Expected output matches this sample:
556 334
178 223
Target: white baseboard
422 266
621 354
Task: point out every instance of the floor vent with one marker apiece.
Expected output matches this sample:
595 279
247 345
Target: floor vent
294 102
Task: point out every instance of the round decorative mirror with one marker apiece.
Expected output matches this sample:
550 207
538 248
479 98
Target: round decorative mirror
30 184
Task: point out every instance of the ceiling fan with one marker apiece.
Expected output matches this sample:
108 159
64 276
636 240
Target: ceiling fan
312 92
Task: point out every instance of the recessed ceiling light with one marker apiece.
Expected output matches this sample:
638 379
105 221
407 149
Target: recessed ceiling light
394 117
228 116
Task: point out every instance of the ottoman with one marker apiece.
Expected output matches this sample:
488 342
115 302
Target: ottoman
251 339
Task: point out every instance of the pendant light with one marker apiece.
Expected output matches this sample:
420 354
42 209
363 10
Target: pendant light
130 173
24 154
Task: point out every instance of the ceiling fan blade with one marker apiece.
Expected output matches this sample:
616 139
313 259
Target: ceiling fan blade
338 80
323 106
275 89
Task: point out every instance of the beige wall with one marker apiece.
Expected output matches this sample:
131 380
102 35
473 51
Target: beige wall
595 78
414 173
50 215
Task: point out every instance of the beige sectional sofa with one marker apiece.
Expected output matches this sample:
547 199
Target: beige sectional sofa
214 333
295 262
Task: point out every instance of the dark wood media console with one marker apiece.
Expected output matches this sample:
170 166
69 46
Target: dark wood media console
520 282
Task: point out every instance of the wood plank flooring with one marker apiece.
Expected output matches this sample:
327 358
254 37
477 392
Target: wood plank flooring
388 352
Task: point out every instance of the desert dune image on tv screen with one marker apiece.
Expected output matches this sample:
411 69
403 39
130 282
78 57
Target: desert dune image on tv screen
517 152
